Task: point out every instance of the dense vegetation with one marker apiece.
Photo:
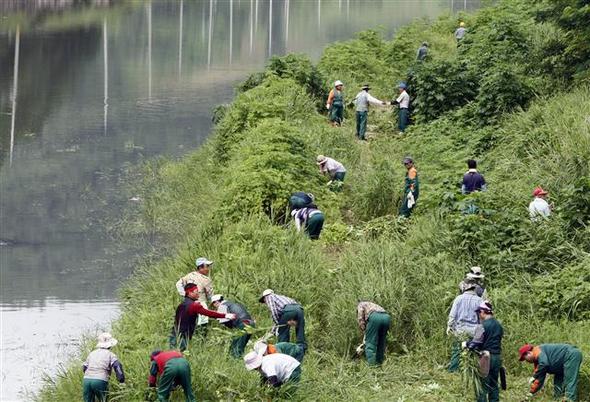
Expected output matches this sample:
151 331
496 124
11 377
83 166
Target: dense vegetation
514 95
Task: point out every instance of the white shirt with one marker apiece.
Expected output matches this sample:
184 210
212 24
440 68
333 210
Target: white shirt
404 100
99 364
362 100
279 365
332 166
539 207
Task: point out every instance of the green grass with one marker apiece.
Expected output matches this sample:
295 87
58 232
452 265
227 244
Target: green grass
227 201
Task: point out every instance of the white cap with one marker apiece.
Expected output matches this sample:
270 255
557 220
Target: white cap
203 261
252 360
216 298
475 273
106 341
260 347
264 294
338 82
321 159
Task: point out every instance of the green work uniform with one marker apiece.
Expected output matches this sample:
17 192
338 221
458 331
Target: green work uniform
404 118
95 389
563 361
292 312
361 124
292 349
314 225
493 333
238 343
375 337
337 108
176 371
405 210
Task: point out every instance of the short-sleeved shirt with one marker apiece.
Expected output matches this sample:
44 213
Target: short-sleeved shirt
404 100
204 283
279 365
99 364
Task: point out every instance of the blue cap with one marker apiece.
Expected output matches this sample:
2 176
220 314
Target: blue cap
402 85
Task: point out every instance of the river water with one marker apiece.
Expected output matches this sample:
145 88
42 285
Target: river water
86 91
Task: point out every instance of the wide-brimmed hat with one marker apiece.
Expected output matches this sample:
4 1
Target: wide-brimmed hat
216 298
338 83
475 273
524 350
407 159
486 307
202 261
264 294
539 191
260 347
252 360
365 86
321 159
106 341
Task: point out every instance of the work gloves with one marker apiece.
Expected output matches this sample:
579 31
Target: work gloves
360 349
231 316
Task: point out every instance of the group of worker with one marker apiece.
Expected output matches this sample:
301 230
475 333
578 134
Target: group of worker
473 325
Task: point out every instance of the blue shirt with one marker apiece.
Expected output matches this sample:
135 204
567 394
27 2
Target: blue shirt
463 318
473 181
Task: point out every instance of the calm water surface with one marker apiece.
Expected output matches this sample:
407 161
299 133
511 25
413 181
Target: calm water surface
87 92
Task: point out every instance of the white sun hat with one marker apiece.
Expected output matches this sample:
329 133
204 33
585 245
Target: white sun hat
252 360
260 347
106 341
338 82
475 273
264 294
216 298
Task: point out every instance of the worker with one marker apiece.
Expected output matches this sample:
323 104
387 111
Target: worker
488 337
173 369
243 318
539 207
275 369
282 310
475 276
310 219
403 103
335 104
300 199
411 188
201 278
462 321
288 348
460 32
97 369
187 313
422 52
331 167
362 100
374 322
561 360
472 179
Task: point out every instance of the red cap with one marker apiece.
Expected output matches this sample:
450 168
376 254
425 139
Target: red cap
524 350
539 191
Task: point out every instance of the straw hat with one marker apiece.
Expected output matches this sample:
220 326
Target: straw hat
264 294
252 360
106 341
475 273
321 159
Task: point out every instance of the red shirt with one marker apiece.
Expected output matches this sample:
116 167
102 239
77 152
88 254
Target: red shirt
159 362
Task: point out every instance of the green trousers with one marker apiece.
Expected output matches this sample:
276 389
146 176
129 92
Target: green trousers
375 337
95 389
361 124
176 371
405 210
293 312
490 384
238 343
314 226
403 119
568 382
292 349
455 362
339 176
337 113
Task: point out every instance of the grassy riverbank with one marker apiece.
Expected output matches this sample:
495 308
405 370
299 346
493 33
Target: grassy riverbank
510 96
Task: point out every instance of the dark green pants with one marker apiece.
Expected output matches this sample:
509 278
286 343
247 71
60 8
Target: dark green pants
238 343
295 375
376 336
455 362
339 176
361 124
95 390
337 113
292 349
490 384
568 382
405 210
314 226
293 312
403 119
176 371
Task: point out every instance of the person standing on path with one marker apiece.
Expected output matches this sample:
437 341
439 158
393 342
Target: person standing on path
561 360
201 278
173 369
185 320
374 323
331 167
97 369
411 188
472 179
362 100
335 104
539 207
282 310
462 321
243 318
275 369
488 337
460 32
403 103
422 52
